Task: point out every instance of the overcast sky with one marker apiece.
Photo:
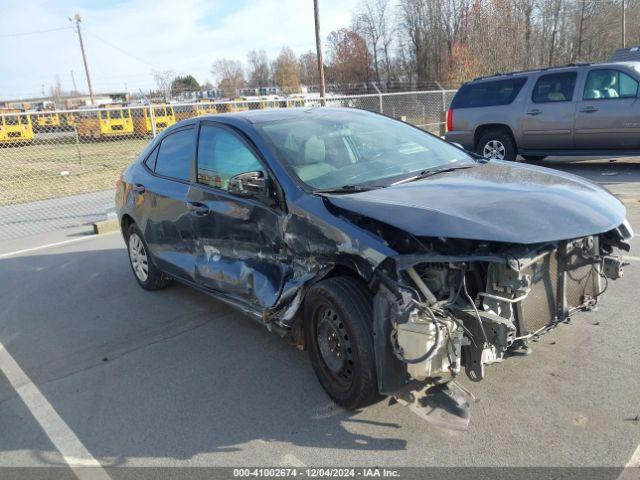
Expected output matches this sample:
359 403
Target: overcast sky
127 39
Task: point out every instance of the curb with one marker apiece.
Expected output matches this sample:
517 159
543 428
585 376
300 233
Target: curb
105 226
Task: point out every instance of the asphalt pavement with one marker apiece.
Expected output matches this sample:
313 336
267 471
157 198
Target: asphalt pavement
176 378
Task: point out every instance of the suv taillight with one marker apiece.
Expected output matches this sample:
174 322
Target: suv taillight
449 120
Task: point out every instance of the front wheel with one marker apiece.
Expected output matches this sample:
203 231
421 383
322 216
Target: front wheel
497 145
339 337
147 274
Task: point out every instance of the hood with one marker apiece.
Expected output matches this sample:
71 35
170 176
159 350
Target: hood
496 201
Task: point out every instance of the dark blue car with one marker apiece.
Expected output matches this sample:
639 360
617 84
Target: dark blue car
394 257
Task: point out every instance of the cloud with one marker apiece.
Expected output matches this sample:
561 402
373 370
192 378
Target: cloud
126 40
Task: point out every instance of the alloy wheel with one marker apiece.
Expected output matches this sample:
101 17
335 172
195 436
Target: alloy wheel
494 149
138 257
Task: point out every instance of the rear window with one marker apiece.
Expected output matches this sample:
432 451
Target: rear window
174 157
487 94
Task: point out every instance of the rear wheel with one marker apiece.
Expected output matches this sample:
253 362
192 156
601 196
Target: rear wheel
497 145
339 337
147 274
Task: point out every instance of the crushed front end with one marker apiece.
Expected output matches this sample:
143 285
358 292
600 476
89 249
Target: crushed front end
470 304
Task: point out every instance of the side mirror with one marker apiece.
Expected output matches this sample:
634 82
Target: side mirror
248 184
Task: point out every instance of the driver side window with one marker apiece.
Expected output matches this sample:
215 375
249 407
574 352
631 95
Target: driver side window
222 155
605 84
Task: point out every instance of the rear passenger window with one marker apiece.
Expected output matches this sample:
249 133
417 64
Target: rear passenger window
555 87
603 84
487 94
174 155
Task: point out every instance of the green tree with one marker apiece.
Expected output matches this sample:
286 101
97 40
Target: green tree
186 83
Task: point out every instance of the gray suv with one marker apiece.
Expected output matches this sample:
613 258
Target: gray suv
585 109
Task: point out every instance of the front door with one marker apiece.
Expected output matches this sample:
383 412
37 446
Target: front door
608 116
238 240
168 226
549 113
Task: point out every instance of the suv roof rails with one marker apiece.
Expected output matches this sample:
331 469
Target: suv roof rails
541 69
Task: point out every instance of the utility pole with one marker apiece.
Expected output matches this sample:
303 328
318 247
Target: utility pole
77 19
624 26
319 51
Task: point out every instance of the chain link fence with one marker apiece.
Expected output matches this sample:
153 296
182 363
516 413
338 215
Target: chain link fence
58 168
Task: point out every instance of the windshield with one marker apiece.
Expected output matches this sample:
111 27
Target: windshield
328 149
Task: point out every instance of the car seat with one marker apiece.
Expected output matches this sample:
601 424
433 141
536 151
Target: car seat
313 163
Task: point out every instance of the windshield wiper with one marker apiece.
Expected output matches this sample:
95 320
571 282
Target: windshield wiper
348 189
429 173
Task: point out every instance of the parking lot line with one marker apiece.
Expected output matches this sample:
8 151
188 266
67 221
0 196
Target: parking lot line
56 244
68 444
630 469
633 259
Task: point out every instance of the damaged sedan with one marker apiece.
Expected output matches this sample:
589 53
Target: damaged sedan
396 259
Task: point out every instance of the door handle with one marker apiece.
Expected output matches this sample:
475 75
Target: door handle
535 111
589 110
198 209
139 188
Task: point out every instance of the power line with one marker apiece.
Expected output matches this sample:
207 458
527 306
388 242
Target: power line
119 49
35 32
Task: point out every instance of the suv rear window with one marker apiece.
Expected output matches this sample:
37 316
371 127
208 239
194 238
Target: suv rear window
487 94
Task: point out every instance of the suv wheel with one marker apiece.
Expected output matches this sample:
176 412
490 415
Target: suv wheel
337 329
145 271
497 145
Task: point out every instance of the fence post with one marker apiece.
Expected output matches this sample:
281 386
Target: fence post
152 120
379 96
443 112
151 117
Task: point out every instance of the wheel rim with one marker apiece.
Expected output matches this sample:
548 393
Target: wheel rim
334 345
494 149
138 257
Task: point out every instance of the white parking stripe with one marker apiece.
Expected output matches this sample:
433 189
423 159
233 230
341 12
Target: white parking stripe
634 461
630 469
633 259
73 451
56 244
290 460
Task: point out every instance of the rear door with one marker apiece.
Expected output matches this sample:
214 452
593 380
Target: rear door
238 240
168 226
608 114
549 113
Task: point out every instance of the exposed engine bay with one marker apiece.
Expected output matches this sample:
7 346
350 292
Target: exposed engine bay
439 312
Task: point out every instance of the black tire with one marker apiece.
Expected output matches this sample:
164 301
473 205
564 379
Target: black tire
344 304
502 138
155 278
534 158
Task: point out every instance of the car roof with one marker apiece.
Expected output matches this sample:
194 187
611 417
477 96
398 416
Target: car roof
275 114
558 69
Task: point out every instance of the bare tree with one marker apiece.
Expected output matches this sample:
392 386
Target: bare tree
259 73
370 23
230 76
309 68
164 81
